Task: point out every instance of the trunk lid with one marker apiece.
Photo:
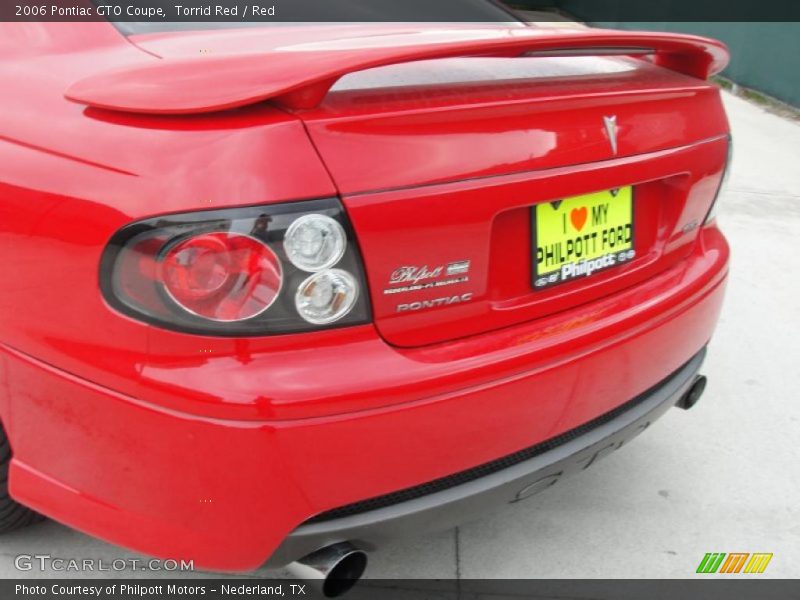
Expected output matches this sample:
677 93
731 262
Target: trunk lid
440 179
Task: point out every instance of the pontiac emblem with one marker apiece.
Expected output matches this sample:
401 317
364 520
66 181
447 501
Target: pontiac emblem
611 130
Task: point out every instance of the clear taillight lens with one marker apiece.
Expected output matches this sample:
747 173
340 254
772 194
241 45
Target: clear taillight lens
326 296
241 271
314 242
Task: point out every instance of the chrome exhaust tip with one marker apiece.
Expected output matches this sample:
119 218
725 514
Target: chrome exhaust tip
332 570
691 397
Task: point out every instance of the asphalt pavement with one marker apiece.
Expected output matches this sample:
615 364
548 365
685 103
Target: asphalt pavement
723 477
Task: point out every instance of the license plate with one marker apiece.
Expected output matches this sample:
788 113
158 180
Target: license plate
579 236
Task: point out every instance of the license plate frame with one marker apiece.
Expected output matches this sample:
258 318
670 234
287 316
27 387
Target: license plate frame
561 252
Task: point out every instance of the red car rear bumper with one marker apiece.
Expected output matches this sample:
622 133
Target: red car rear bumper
227 492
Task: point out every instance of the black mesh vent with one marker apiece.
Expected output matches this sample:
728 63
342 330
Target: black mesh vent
444 483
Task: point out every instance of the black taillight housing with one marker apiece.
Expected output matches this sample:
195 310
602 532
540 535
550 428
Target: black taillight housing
712 211
234 272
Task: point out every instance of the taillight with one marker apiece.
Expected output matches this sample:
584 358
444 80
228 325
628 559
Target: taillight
247 271
326 296
712 212
314 242
221 276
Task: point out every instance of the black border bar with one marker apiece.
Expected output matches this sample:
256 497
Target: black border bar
453 11
733 587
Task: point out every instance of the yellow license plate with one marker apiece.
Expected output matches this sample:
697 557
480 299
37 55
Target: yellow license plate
579 236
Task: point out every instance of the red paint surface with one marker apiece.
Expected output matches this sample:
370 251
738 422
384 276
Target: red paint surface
298 69
215 448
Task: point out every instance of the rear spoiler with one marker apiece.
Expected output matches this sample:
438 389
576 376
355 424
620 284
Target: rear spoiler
299 77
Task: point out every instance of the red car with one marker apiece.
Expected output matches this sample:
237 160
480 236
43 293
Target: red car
277 292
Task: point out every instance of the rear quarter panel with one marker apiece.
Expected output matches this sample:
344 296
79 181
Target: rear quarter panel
71 176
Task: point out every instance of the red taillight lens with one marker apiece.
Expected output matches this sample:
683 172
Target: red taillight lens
222 276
